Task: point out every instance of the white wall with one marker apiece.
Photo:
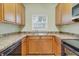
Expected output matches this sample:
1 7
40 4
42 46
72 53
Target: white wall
73 28
36 9
8 28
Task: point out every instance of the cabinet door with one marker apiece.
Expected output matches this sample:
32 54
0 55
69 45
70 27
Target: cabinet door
1 12
22 14
18 13
46 45
34 46
66 13
63 13
9 12
58 14
40 45
24 47
57 46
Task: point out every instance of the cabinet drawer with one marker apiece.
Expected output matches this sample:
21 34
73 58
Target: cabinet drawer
46 37
33 37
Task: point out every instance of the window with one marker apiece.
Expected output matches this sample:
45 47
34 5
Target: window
39 22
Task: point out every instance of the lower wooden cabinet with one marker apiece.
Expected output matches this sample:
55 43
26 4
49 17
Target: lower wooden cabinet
40 45
46 45
23 46
34 45
57 46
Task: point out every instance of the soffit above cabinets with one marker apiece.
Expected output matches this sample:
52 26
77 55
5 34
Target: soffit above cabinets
42 4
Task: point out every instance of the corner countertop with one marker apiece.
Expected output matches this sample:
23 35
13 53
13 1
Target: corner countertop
9 39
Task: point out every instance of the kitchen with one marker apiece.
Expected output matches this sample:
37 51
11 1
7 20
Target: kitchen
39 29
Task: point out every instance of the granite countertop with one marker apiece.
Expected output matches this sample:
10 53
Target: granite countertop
9 39
59 35
74 43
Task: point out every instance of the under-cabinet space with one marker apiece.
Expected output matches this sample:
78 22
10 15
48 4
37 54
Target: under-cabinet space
16 51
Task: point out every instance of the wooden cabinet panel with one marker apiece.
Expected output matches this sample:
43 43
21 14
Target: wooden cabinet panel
46 37
12 13
9 12
46 46
34 46
40 45
58 14
63 13
33 37
18 13
1 12
23 46
66 13
57 46
22 14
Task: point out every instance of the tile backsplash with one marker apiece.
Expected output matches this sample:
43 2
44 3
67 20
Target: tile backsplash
8 28
72 28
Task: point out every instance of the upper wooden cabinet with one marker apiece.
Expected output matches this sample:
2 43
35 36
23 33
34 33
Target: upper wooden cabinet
58 14
20 14
9 12
1 12
63 13
12 13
